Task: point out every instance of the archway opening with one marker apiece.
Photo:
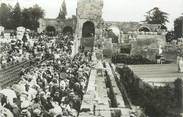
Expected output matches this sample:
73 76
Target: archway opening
50 30
144 29
88 35
67 30
88 29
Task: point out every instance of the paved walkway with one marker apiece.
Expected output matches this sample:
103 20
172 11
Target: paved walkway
156 72
103 99
96 95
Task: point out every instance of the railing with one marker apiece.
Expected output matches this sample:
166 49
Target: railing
11 67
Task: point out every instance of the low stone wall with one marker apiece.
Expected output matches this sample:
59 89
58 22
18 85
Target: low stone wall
114 88
89 97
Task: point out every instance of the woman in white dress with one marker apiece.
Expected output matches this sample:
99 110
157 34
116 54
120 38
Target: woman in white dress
180 64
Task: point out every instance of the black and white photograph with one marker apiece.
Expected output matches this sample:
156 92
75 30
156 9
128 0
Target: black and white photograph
91 58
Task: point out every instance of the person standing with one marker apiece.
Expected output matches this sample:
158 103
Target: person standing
24 39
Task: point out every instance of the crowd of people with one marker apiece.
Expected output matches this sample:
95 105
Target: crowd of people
52 88
15 51
27 47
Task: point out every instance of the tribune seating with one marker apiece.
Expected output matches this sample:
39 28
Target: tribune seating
11 74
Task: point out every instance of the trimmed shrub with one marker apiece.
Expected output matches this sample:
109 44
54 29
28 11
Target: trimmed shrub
134 59
156 102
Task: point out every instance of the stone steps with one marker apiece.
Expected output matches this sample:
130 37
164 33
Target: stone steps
11 75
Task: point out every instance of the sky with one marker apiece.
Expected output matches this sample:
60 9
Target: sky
120 10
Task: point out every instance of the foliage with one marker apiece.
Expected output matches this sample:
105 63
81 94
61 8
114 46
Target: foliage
125 49
112 35
156 102
156 16
16 16
5 12
26 18
178 23
11 18
31 17
170 36
63 11
126 59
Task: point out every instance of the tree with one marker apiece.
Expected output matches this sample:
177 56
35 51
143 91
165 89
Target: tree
5 12
63 11
170 36
36 12
112 35
178 27
156 16
31 16
16 16
26 18
11 18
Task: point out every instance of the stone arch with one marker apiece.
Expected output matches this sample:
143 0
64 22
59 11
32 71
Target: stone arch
144 29
114 32
67 29
88 35
50 30
88 29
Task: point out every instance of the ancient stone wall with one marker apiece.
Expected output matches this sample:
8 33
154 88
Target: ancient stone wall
58 24
147 48
89 10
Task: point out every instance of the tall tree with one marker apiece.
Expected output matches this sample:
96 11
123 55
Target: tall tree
16 16
63 11
31 16
5 12
27 18
178 27
11 18
156 16
170 36
36 13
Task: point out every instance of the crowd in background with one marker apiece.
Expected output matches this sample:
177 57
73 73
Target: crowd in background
53 88
29 46
15 51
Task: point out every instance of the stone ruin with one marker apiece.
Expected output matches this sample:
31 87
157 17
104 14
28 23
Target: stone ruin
89 29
